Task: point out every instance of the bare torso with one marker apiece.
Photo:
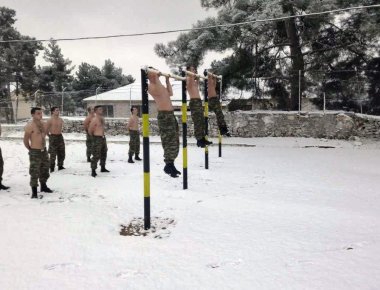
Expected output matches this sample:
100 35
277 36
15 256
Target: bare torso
192 86
96 127
211 87
133 123
35 133
87 121
55 125
161 96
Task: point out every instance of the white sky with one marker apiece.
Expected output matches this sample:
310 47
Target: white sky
46 19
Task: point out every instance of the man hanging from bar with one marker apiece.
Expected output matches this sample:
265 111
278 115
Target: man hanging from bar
167 123
215 106
196 108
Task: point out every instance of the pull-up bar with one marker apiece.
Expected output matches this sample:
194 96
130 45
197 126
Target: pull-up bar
206 72
169 75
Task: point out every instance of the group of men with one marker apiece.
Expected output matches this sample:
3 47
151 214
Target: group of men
94 125
167 123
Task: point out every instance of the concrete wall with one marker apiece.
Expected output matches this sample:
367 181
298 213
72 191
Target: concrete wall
336 125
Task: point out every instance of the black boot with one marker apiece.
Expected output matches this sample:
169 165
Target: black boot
224 131
137 157
88 159
51 168
61 167
103 169
34 192
93 173
44 188
170 169
203 142
3 186
130 158
175 170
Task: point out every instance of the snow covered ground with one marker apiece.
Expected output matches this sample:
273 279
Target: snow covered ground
285 214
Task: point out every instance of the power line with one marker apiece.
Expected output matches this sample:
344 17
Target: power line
193 29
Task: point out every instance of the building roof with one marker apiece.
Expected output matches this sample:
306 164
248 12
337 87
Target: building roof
132 92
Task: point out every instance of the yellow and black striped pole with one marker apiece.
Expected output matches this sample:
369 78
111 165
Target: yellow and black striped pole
145 116
184 131
220 135
206 120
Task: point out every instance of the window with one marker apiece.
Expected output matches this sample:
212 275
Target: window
108 111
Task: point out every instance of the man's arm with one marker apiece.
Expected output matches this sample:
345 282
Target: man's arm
47 127
27 134
169 87
0 129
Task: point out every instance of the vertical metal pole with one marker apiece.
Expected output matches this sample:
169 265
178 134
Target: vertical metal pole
206 121
324 102
299 91
145 117
184 132
220 135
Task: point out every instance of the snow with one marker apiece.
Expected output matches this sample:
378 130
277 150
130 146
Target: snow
272 213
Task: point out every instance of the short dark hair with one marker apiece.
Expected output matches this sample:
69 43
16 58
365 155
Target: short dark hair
52 109
97 107
133 107
89 108
34 109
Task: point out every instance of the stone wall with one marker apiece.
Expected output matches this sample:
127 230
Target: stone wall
334 125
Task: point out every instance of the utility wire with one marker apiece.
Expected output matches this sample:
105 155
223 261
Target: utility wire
194 28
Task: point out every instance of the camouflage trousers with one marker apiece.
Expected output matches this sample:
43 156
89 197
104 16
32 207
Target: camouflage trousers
99 151
38 166
169 132
1 165
56 149
134 142
197 115
88 145
214 105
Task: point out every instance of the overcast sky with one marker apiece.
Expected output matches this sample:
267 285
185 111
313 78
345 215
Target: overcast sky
44 19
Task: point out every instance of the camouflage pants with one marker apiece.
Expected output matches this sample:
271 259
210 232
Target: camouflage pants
99 151
197 115
1 166
39 166
169 132
134 142
214 105
88 145
56 149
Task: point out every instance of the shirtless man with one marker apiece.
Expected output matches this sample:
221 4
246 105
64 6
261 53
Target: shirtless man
86 123
2 169
134 135
34 141
215 106
196 108
167 123
99 143
56 142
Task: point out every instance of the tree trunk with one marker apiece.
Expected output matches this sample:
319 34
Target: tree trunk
297 62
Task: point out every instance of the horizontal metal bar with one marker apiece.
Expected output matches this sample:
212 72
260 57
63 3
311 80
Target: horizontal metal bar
178 78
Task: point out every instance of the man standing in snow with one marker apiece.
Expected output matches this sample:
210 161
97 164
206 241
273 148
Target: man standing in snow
215 105
196 108
2 169
34 140
167 123
134 135
86 123
99 142
56 142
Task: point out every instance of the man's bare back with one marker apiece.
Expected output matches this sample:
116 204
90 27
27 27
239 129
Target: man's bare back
133 123
160 93
211 86
87 121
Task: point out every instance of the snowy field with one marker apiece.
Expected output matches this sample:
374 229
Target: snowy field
284 214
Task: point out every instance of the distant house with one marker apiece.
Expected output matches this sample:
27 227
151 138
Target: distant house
117 103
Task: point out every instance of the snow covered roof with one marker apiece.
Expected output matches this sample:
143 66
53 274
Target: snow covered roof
133 92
